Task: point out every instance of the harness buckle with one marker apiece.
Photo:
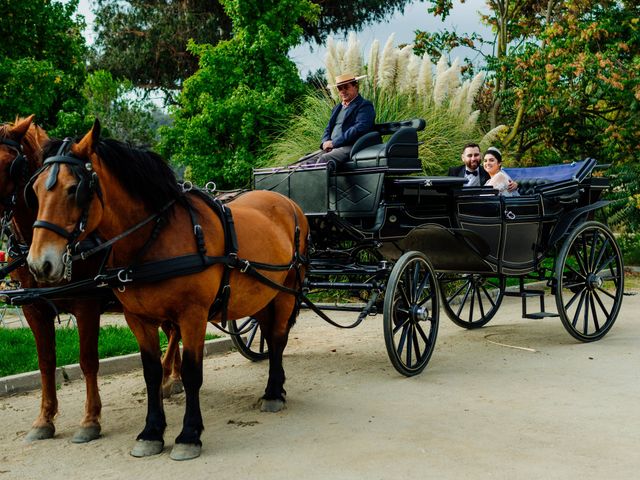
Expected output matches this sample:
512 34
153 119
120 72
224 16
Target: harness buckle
246 266
197 229
123 276
67 260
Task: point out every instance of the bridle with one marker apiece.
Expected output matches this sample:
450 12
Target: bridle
87 187
17 172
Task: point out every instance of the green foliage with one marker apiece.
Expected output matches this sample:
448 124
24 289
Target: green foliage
623 213
229 108
146 42
41 60
123 116
630 246
18 347
578 85
401 86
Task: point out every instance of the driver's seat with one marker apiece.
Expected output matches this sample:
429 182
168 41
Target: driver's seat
398 155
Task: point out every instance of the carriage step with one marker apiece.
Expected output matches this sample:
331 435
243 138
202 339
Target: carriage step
525 293
540 315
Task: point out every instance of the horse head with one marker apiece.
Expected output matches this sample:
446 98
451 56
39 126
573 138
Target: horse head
20 145
65 193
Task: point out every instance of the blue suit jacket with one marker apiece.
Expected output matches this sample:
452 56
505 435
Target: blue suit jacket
358 120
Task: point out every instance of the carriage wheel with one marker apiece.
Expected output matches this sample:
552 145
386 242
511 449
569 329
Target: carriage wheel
252 344
471 300
590 281
411 313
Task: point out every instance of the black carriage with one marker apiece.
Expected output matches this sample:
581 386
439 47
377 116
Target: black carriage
380 227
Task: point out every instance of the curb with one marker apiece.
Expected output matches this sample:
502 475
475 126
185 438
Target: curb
25 382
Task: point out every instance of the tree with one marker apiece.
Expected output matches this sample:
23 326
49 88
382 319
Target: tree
146 41
228 110
42 60
564 76
577 89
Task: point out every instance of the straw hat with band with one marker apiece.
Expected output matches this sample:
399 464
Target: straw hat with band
347 78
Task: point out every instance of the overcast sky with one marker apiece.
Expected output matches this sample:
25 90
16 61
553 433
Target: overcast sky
464 19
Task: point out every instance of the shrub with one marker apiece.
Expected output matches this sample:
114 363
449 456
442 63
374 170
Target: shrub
401 86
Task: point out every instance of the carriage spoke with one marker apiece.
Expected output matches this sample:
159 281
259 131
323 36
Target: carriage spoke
416 344
473 297
573 299
422 333
594 243
604 248
252 336
409 344
422 286
608 264
464 299
457 292
606 293
480 304
571 269
401 289
401 325
602 306
586 314
593 312
488 295
403 337
579 261
577 314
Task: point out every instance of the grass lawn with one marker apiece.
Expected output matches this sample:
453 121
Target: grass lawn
18 347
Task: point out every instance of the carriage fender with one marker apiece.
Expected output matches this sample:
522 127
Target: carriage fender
569 220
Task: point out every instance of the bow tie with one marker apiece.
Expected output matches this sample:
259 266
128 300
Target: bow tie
468 172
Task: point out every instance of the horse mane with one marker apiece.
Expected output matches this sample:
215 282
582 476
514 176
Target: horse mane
32 140
144 174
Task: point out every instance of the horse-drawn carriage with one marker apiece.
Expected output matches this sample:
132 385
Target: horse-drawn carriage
373 227
376 219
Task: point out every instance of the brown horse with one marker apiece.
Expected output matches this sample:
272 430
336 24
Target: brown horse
20 156
123 194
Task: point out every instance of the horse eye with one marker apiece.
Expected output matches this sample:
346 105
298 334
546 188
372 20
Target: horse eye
72 190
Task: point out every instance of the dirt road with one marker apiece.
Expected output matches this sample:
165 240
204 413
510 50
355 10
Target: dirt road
517 399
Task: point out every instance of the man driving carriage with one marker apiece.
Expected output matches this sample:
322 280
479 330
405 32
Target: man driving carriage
350 119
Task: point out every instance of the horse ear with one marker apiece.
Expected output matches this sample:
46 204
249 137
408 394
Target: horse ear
19 130
89 142
95 131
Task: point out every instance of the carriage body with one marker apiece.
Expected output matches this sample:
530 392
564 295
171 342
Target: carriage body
470 240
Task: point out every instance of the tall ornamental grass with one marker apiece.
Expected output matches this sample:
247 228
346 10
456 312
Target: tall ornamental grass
401 86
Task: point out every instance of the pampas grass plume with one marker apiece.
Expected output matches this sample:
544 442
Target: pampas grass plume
425 78
372 67
387 70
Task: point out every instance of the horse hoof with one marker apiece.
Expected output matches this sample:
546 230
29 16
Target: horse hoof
273 405
146 448
86 434
185 451
172 388
40 433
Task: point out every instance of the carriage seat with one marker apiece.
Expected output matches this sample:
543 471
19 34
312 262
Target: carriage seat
528 186
398 155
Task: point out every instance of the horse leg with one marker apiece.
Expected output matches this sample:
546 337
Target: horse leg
88 320
150 441
171 362
278 317
40 319
188 444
